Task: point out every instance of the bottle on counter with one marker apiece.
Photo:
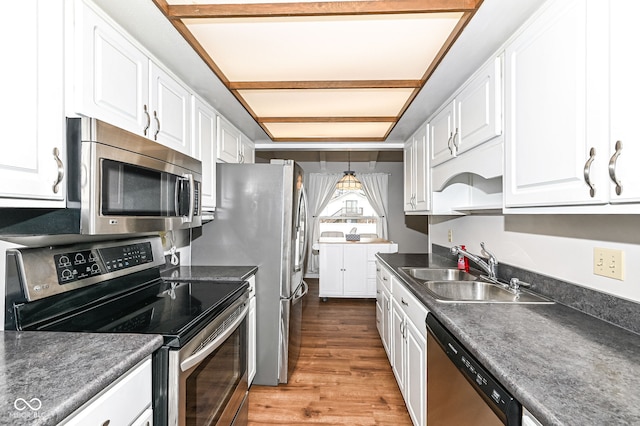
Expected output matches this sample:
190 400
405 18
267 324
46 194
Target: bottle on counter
463 261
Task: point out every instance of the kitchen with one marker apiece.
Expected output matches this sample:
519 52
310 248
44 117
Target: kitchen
531 225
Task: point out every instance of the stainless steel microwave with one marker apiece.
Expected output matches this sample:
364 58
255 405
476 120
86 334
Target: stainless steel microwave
117 183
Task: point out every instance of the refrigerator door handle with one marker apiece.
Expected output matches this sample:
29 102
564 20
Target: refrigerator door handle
305 290
306 230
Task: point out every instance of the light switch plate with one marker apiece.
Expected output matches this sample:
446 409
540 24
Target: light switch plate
608 263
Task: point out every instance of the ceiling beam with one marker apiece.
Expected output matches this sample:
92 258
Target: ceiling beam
326 119
304 139
332 84
321 8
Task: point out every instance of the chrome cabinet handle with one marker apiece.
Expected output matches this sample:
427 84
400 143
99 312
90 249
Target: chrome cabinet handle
146 112
403 302
587 172
155 116
456 140
612 167
56 183
449 143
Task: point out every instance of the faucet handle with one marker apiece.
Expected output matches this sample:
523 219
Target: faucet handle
492 258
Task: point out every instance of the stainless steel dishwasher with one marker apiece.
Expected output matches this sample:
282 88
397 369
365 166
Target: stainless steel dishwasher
459 390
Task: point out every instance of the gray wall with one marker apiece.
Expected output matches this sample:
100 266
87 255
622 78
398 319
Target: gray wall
410 232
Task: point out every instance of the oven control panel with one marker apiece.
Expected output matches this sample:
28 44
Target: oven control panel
78 265
47 271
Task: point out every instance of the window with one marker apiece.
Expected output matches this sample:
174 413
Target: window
348 210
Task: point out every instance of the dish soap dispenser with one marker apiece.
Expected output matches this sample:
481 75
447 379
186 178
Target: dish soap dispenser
463 261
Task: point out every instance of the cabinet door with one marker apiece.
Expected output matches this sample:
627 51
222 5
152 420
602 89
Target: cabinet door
625 89
170 111
479 108
112 75
228 141
355 270
552 110
331 270
409 176
386 322
204 149
251 345
121 403
441 132
248 151
32 112
421 167
398 344
416 378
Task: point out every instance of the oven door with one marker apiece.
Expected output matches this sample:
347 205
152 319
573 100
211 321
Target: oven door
208 376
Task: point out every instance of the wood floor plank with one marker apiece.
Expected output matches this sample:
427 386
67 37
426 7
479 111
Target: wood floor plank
343 376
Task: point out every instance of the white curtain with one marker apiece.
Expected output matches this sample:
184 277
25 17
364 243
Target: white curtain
376 188
320 189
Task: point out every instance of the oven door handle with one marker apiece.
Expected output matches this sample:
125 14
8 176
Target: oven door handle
195 359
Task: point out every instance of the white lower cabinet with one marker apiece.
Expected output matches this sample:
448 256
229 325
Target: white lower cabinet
251 344
403 332
349 270
127 401
383 306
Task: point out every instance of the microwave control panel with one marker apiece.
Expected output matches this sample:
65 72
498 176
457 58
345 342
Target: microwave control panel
78 265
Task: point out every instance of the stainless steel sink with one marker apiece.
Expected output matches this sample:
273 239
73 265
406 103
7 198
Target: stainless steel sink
478 292
433 274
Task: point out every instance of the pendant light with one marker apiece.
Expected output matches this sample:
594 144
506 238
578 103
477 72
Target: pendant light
349 182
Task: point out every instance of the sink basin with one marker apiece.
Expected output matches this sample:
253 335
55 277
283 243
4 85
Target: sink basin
433 274
478 292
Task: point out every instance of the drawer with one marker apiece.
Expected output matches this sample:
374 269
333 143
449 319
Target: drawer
119 404
383 276
412 307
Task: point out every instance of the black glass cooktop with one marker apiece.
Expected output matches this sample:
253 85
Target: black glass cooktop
174 310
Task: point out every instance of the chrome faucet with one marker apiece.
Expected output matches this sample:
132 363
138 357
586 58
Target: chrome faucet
491 268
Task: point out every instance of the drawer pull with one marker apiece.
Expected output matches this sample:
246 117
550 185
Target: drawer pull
403 302
107 422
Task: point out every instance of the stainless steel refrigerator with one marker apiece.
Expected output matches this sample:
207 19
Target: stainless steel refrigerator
261 219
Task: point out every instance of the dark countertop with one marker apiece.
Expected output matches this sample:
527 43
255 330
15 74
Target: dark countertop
566 367
209 273
63 370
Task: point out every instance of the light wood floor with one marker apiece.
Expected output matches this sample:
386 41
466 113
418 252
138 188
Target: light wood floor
343 376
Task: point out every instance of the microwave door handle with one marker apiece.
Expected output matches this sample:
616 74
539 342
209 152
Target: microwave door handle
192 198
196 358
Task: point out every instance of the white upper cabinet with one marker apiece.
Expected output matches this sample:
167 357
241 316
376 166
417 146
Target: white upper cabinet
472 117
247 150
442 132
32 165
556 108
116 82
204 141
625 109
229 142
111 75
416 169
233 146
171 111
